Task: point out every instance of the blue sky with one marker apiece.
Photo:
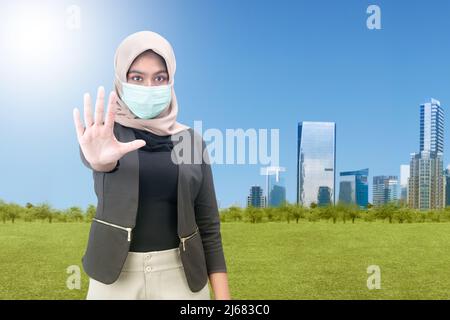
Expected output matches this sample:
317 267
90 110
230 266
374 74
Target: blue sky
240 64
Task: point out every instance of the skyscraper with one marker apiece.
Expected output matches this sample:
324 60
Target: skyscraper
385 189
316 162
256 197
432 126
354 188
447 186
404 177
426 182
275 185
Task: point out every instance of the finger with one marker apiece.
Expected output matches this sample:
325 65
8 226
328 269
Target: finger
87 110
99 105
126 147
109 122
78 125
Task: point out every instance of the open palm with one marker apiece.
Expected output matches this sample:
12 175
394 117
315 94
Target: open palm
97 141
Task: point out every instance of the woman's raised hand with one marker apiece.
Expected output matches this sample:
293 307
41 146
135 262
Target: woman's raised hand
97 141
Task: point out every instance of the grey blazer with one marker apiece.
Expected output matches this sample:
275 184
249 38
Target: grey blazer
198 216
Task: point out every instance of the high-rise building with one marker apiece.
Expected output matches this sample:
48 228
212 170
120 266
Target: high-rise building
426 179
316 162
447 186
385 189
324 197
354 188
275 186
256 197
404 177
432 127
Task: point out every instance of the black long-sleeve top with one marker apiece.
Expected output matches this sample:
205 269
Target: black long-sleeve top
156 221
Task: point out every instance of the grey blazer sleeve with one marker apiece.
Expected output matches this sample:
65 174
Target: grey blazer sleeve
208 220
83 159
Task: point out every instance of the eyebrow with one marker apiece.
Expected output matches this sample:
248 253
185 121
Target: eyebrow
144 73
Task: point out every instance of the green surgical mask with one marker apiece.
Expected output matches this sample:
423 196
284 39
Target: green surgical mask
144 101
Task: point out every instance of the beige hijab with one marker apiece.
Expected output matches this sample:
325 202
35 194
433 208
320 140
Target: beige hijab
165 123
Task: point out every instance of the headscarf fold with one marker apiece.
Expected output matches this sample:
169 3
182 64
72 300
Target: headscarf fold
132 46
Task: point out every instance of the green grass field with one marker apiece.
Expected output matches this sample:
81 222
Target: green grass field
270 260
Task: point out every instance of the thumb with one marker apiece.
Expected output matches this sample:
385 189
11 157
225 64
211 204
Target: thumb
131 146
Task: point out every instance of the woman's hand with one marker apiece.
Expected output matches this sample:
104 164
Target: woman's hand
97 141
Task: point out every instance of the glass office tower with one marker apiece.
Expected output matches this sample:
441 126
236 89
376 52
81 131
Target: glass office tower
432 127
275 185
316 162
256 197
404 177
426 184
354 188
385 190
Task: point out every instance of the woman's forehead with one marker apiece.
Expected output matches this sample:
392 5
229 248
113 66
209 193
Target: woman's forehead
149 55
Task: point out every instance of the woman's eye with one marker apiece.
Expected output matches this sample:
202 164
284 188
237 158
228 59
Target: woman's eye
160 78
136 78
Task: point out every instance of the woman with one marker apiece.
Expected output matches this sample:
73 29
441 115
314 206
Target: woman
156 231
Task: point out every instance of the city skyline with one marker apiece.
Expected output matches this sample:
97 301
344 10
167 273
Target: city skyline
354 185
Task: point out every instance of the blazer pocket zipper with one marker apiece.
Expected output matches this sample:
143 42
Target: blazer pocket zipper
183 239
116 226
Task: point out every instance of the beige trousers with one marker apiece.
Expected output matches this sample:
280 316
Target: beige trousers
149 275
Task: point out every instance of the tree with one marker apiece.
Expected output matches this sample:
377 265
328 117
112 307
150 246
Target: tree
298 211
269 213
434 215
90 212
75 213
341 210
328 212
42 211
403 214
293 211
369 215
286 211
313 214
348 211
386 211
354 214
29 213
13 211
3 211
253 214
422 215
235 213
